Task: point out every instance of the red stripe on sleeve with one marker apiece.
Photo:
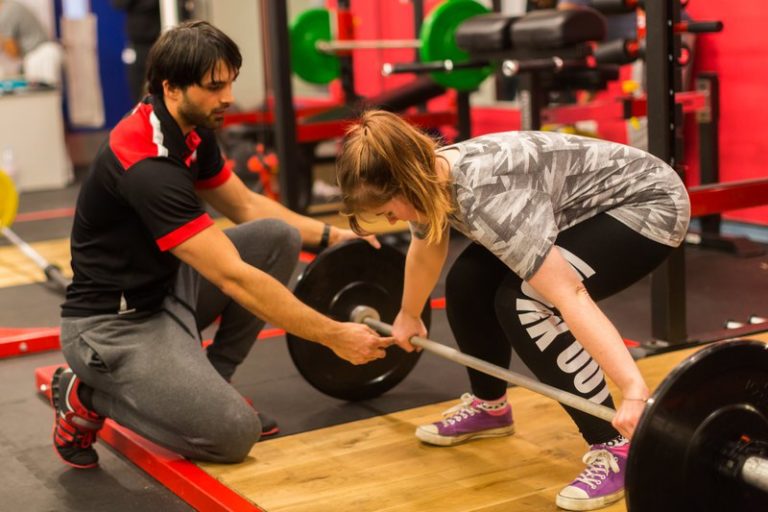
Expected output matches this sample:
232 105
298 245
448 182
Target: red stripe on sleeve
184 233
219 179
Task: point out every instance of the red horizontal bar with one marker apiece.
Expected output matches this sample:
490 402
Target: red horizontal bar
722 197
312 132
691 101
250 117
270 333
57 213
306 257
438 303
267 116
571 114
17 342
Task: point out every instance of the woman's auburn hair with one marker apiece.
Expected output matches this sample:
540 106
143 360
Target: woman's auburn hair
383 156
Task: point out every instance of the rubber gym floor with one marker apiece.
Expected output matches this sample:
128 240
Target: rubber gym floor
720 286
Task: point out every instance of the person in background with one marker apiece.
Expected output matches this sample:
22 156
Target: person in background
142 28
23 37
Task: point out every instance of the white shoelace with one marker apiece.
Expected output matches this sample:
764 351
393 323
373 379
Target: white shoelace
460 411
598 462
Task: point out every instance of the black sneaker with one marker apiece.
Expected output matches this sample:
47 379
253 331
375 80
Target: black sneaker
75 427
269 426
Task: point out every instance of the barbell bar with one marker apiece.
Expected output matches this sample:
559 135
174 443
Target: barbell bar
370 317
509 67
446 65
374 44
313 48
701 442
753 469
9 201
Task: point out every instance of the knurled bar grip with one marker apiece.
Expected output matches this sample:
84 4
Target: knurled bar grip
582 404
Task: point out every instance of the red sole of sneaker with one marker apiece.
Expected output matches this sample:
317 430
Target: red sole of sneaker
272 432
65 461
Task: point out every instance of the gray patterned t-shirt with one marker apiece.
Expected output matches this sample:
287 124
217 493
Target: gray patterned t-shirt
515 191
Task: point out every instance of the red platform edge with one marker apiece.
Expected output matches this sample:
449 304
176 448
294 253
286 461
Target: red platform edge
182 477
185 479
18 342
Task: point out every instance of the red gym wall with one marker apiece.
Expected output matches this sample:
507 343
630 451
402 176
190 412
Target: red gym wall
739 55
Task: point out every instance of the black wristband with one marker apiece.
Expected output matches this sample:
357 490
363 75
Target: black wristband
325 238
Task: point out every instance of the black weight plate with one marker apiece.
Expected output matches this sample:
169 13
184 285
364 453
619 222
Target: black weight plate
336 281
722 376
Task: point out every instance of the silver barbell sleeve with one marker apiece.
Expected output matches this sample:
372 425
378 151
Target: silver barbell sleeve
755 472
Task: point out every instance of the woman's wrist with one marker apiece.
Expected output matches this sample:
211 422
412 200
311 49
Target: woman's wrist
325 236
637 393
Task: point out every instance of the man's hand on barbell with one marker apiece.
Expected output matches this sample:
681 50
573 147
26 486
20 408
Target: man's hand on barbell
358 343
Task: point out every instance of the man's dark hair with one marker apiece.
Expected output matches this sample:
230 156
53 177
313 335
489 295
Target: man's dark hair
184 54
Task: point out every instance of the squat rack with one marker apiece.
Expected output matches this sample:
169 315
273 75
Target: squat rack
664 114
292 177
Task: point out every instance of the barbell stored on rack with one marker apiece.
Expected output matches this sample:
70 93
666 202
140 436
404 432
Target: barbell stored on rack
312 47
509 67
9 201
701 444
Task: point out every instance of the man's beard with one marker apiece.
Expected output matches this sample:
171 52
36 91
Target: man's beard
196 117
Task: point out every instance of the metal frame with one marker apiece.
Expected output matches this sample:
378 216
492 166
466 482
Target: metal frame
285 129
709 152
668 308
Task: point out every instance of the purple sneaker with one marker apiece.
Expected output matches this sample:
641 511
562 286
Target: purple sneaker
470 419
602 481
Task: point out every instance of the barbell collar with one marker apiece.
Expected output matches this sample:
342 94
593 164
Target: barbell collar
360 314
755 472
571 400
373 44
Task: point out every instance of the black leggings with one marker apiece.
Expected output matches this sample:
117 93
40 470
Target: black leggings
490 310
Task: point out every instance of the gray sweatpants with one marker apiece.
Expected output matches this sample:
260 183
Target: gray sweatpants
149 372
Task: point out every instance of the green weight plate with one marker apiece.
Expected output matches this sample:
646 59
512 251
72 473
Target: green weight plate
438 42
307 61
9 200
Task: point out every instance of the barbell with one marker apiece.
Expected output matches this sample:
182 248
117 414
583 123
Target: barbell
701 443
313 51
509 67
9 202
